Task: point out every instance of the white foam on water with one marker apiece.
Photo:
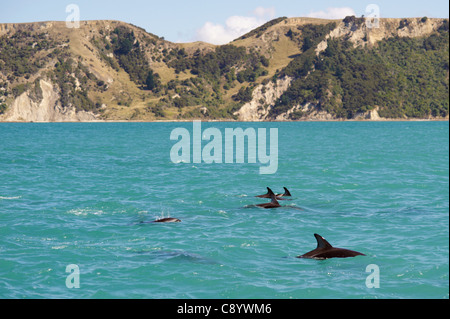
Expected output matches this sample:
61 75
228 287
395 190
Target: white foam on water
85 212
10 198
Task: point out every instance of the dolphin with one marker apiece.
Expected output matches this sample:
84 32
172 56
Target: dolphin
286 194
269 191
325 251
278 196
167 220
273 204
164 220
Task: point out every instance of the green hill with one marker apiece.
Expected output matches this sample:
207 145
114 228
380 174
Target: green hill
288 69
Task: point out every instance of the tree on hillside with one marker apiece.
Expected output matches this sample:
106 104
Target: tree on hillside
152 80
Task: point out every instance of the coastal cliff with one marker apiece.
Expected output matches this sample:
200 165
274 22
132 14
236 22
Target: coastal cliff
287 69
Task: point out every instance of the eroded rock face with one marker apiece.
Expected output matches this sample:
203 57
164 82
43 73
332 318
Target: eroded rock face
264 96
25 108
369 115
384 29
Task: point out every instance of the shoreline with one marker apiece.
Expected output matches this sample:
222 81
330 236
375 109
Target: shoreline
235 121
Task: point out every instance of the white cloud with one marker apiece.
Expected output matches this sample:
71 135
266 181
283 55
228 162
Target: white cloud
235 26
264 13
333 13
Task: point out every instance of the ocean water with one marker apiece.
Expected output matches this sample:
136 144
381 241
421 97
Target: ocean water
75 194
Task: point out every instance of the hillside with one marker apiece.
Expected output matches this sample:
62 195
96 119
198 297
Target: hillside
287 69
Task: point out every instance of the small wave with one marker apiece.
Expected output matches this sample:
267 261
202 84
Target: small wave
10 198
85 212
293 206
251 244
181 162
59 247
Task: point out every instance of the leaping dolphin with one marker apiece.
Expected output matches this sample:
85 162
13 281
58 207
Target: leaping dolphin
324 250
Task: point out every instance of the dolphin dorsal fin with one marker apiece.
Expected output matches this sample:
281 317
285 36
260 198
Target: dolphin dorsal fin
286 192
321 242
270 192
274 199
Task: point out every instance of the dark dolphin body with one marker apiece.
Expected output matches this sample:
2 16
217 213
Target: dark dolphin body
273 204
269 192
168 220
325 251
164 220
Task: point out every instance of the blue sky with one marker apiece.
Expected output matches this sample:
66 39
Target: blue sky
210 20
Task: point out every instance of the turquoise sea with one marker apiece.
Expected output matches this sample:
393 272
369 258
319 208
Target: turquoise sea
75 194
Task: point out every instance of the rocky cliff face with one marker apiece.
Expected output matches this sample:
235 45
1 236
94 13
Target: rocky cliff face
45 108
263 97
